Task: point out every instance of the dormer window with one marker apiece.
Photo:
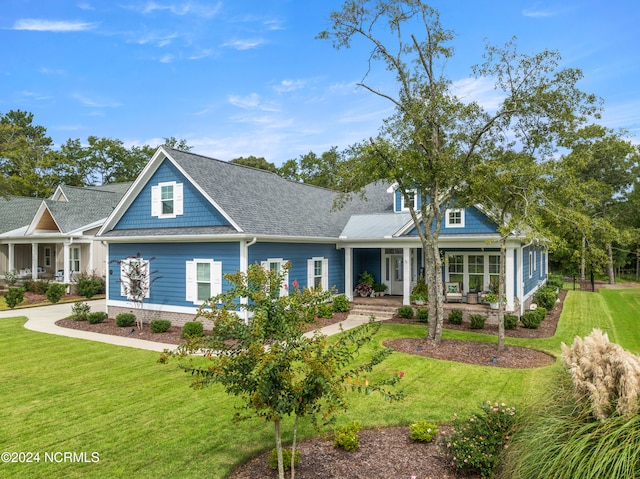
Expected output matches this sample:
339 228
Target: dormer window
455 218
166 200
412 199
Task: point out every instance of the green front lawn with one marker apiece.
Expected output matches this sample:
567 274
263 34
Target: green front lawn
68 395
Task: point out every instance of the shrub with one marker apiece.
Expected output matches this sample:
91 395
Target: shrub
455 316
160 325
80 311
405 311
97 317
546 297
89 285
36 286
555 281
423 431
510 321
192 329
422 315
11 278
55 291
125 319
475 445
346 436
477 321
340 304
531 320
286 459
541 312
14 296
325 310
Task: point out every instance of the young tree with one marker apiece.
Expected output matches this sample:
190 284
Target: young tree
136 279
432 143
270 364
511 188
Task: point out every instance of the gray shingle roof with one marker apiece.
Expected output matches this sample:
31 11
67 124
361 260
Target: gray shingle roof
263 203
17 211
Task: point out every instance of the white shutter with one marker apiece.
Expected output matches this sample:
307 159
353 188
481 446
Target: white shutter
191 284
146 284
310 271
216 278
124 278
156 205
284 288
178 202
325 274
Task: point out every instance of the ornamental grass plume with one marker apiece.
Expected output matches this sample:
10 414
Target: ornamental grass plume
604 375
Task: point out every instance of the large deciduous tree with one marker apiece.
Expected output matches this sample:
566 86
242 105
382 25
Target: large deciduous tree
312 169
434 140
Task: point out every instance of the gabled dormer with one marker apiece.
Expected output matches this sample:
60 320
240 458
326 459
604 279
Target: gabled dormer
400 204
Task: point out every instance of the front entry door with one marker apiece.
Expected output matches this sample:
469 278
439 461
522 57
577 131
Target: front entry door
397 274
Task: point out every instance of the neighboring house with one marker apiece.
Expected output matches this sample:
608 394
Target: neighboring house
55 238
191 219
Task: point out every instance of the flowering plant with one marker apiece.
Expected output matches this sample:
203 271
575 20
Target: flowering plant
475 444
364 289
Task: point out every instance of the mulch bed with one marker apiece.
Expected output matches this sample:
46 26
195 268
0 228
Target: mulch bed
383 453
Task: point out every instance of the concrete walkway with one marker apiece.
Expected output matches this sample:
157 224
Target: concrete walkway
43 320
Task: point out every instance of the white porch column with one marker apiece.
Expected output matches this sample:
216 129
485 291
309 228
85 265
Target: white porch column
511 289
34 261
90 268
406 276
348 273
65 265
11 264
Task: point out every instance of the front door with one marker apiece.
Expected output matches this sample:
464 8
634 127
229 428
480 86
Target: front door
397 274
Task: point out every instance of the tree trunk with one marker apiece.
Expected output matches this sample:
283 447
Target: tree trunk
433 272
583 259
293 448
501 291
276 424
610 271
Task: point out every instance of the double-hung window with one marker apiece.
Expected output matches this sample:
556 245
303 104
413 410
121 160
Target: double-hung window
167 199
276 265
203 280
456 268
476 272
74 259
134 278
318 273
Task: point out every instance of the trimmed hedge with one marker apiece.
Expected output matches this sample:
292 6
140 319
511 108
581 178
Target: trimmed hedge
125 319
159 325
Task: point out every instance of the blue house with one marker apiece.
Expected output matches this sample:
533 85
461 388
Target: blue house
192 219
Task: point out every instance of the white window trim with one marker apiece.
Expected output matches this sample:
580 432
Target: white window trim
124 264
530 264
448 224
47 256
311 272
191 279
404 206
284 287
156 199
73 259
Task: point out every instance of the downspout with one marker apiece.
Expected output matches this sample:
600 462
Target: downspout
106 274
244 267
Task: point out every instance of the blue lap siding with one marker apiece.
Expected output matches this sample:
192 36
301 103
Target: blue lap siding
170 263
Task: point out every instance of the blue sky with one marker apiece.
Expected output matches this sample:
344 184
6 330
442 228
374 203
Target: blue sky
247 77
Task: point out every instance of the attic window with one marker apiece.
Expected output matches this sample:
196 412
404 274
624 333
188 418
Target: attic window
455 218
412 199
166 200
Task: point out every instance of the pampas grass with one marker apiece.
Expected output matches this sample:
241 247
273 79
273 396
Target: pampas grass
604 375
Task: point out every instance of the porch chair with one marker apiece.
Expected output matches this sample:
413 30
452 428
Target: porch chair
453 292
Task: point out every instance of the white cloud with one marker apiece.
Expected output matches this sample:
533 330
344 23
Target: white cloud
95 103
480 90
156 39
36 25
251 102
167 58
536 13
289 85
183 8
246 44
